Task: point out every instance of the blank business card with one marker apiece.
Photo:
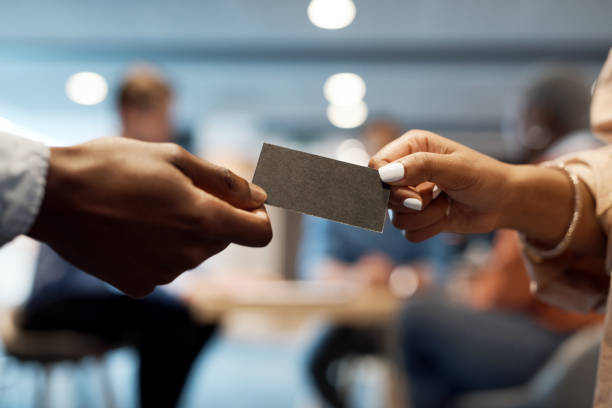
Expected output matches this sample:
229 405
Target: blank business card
323 187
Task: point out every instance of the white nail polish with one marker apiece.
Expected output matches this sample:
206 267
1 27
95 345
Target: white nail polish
436 191
391 172
413 204
390 214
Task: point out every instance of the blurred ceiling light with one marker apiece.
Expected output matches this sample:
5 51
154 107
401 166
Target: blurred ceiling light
331 14
351 143
344 88
353 151
86 88
347 116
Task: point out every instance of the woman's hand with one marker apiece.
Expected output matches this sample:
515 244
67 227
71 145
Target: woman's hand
478 186
481 194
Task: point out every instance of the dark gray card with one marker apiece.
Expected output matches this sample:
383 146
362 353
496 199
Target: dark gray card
327 188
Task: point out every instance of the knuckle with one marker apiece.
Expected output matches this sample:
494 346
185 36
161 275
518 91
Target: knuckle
175 152
422 161
209 220
235 184
229 179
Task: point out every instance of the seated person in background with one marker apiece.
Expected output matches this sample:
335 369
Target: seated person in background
159 326
502 334
332 251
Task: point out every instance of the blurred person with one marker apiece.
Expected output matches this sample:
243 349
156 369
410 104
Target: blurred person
336 252
500 335
103 196
159 326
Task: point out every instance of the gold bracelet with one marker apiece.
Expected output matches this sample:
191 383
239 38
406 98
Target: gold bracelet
567 239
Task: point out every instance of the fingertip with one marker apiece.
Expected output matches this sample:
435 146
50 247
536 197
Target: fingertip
266 228
258 194
391 172
413 204
261 212
435 192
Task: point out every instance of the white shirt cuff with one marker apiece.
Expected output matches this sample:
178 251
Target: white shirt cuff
23 174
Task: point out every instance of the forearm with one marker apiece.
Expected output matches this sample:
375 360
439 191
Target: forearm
541 205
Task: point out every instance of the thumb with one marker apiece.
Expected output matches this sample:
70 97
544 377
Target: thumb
220 181
416 168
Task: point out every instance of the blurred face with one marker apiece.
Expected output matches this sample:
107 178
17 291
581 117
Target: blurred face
150 125
534 132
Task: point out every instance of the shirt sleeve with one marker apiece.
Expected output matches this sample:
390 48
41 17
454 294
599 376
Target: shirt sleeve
572 281
23 173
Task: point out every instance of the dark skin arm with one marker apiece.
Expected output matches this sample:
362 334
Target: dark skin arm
138 214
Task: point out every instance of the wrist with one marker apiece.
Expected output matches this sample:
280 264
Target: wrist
57 188
511 200
540 204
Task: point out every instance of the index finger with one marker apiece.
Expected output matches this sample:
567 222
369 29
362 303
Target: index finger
413 141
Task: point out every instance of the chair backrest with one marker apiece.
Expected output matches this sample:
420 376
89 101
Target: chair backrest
567 380
47 346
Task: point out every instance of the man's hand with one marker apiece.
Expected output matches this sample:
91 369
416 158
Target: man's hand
138 214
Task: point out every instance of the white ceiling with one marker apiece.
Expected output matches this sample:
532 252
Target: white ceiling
444 63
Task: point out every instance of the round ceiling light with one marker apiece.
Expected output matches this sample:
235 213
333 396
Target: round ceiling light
347 116
86 88
344 88
331 14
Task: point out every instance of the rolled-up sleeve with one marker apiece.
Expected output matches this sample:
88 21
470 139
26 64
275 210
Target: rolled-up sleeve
23 173
561 281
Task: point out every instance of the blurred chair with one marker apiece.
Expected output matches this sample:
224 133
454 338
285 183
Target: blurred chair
567 380
48 348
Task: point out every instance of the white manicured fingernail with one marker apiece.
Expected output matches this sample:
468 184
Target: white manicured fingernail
391 172
413 204
390 214
436 191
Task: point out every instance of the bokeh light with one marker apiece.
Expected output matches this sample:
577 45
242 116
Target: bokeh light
352 151
331 14
86 88
344 88
347 116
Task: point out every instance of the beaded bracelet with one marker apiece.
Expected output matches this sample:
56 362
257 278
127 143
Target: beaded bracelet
567 239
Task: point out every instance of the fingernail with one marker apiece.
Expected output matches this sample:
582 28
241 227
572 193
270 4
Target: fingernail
257 193
391 172
436 191
390 214
413 204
